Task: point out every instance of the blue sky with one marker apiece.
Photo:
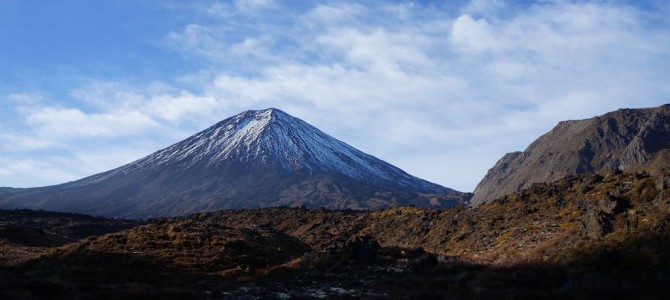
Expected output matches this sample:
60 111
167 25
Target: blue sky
441 89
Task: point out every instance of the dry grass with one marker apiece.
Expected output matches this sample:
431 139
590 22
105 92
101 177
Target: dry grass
580 237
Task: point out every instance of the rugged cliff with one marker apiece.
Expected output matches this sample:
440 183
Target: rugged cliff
626 139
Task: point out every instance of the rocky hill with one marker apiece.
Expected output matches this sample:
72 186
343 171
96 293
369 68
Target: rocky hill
627 139
187 246
255 159
554 217
27 234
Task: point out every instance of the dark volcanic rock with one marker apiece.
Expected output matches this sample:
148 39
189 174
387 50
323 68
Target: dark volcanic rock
254 159
190 246
356 248
25 234
662 182
627 139
43 228
597 223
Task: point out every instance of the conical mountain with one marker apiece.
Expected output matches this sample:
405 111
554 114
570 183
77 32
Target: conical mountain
254 159
626 139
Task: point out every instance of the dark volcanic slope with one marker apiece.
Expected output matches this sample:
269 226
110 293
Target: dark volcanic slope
8 190
254 159
627 139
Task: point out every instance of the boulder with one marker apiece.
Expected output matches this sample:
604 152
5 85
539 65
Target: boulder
596 224
662 182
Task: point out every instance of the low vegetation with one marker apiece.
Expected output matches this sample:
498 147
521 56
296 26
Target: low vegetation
591 236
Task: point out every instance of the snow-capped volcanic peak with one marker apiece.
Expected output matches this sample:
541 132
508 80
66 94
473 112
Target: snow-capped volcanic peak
255 159
271 137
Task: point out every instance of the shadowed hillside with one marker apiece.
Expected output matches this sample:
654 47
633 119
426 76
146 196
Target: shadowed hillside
26 233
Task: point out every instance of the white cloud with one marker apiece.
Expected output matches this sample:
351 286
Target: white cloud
333 14
379 50
253 5
239 7
175 107
473 35
220 9
25 99
30 171
222 46
402 11
157 101
5 172
75 123
484 7
199 40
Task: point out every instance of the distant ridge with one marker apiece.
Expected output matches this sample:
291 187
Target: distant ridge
255 159
626 139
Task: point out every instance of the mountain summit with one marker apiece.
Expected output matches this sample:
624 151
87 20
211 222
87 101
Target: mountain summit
272 138
255 159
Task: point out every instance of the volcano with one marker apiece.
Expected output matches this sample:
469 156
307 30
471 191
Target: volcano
259 158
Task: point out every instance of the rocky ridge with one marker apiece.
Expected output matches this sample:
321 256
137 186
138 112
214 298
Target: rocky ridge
626 139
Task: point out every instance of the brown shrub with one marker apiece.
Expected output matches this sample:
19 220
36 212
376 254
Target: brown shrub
644 192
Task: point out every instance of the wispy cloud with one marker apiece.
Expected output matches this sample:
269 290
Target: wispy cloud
438 91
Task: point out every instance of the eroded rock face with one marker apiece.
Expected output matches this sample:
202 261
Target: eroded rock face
597 223
662 182
627 139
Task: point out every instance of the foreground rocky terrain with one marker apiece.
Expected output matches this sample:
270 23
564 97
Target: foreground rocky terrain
589 236
547 220
26 234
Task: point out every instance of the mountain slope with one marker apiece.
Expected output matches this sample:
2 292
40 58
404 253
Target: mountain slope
7 190
254 159
627 139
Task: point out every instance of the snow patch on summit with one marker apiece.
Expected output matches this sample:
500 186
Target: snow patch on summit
271 137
